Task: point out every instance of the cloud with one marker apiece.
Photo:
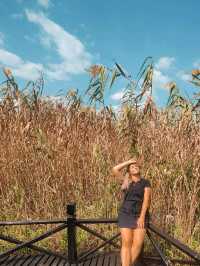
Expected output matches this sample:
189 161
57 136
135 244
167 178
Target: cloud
28 70
164 63
20 68
10 59
73 55
184 75
159 79
197 64
44 3
117 96
1 39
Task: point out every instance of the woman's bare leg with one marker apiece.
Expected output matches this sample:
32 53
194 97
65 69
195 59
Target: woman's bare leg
138 240
127 240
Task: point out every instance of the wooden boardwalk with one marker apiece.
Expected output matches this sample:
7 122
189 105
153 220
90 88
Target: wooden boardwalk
106 259
93 256
103 259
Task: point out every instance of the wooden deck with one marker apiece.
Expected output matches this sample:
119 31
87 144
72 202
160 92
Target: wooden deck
107 259
101 259
93 256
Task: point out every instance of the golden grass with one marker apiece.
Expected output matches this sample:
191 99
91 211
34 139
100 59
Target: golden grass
52 155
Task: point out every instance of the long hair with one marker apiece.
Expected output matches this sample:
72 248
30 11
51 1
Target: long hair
127 178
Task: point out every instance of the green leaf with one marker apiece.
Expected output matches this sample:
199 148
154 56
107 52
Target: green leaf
114 76
121 71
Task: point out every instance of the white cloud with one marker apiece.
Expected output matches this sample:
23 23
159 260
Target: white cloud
164 63
10 59
70 49
183 75
73 58
45 40
159 79
117 96
20 68
44 3
197 64
28 70
1 38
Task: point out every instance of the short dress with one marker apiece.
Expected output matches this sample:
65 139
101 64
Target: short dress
131 206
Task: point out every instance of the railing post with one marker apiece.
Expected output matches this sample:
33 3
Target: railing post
71 233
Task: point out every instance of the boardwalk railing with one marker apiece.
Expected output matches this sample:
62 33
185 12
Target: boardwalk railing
71 223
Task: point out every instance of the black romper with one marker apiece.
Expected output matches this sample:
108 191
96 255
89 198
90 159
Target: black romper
130 208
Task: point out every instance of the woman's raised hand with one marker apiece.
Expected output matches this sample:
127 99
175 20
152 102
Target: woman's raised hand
132 160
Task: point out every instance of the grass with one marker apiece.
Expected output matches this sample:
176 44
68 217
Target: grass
52 154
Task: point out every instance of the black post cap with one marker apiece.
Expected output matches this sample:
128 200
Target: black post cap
71 208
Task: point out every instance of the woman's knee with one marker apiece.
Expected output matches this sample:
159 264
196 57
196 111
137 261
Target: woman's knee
138 239
126 243
127 237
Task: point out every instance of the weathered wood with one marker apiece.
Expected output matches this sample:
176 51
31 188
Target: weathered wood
34 240
36 248
104 259
71 232
53 221
185 249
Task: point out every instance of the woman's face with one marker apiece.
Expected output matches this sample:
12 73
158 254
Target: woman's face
134 169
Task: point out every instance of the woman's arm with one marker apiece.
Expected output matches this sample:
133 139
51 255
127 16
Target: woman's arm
146 201
116 169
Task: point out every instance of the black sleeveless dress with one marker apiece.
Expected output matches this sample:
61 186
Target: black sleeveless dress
131 206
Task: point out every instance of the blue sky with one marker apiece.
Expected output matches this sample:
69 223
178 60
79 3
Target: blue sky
62 38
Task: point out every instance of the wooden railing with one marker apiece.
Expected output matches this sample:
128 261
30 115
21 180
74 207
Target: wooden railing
71 223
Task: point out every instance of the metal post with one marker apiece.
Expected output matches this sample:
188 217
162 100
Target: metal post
71 233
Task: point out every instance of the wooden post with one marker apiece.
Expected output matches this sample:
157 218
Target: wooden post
71 233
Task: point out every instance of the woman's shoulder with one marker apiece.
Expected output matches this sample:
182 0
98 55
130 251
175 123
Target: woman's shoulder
146 182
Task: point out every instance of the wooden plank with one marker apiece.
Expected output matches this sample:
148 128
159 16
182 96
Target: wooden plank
22 260
4 260
107 260
118 259
94 261
10 260
36 260
31 260
57 262
13 260
27 260
100 261
49 261
87 262
62 263
43 260
113 259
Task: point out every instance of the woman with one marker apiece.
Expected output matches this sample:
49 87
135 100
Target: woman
133 216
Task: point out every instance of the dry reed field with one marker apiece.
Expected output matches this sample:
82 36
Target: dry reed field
53 154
